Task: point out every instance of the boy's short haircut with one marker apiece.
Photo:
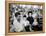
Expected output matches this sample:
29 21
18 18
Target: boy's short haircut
29 12
17 13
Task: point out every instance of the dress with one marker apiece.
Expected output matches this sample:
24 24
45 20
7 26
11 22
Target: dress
18 26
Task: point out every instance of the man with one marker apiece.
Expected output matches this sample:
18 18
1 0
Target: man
30 19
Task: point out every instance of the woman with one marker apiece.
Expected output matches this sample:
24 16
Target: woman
18 25
35 23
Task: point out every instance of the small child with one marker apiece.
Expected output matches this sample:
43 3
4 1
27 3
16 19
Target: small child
26 24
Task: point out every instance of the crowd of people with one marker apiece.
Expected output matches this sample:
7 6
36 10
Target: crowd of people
26 21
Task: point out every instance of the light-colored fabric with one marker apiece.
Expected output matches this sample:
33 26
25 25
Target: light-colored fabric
26 23
18 26
35 22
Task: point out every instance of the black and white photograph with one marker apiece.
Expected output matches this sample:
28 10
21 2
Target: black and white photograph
25 18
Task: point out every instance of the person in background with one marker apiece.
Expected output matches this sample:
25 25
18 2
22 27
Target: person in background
35 25
40 22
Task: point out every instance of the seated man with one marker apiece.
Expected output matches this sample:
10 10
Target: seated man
30 18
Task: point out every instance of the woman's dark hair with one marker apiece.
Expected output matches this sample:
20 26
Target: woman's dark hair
29 12
16 14
24 16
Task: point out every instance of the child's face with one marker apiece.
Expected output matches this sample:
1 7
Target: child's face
24 18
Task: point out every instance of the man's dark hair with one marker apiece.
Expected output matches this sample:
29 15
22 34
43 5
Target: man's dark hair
24 16
16 14
29 12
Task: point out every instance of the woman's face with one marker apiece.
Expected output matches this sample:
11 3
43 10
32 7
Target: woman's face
18 17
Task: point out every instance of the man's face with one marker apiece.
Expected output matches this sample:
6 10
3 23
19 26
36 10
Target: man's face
30 14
